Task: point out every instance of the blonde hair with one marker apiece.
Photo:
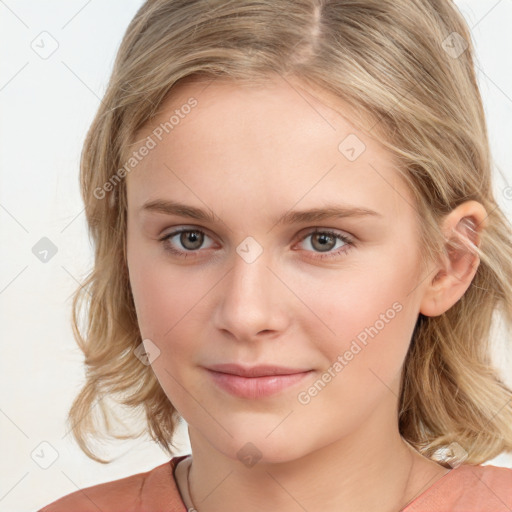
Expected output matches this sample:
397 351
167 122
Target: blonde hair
403 65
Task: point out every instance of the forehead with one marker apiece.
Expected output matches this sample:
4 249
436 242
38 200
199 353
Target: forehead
275 141
272 97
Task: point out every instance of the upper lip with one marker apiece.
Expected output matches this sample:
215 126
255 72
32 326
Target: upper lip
255 371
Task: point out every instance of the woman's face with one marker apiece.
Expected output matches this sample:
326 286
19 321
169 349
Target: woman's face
250 283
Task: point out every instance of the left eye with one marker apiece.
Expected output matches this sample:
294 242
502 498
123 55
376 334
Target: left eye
322 241
325 241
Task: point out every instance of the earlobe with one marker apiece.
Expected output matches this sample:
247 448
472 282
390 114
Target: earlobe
450 279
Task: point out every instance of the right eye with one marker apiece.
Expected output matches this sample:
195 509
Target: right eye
189 239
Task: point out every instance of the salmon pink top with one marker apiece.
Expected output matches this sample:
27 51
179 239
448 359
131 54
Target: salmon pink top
466 488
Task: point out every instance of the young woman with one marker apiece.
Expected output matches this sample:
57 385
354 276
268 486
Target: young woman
298 252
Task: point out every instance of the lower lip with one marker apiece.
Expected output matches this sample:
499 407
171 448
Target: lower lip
255 387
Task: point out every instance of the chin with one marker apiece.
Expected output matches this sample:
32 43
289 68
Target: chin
257 449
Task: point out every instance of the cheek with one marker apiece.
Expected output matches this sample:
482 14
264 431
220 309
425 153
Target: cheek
168 308
370 336
171 312
348 300
162 294
362 363
366 316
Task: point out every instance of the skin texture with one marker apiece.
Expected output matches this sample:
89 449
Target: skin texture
251 154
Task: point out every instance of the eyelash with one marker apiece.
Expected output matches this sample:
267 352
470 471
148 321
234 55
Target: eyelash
349 243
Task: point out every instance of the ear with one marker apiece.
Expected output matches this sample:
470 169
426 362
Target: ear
455 270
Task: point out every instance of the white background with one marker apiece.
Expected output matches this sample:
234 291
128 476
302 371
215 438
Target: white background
46 107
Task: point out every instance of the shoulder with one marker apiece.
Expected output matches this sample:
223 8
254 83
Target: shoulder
485 488
492 481
496 474
123 494
151 490
472 488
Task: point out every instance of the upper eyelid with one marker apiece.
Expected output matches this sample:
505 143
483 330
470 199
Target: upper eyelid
185 228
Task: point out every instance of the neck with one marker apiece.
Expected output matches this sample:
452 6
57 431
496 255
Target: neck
359 472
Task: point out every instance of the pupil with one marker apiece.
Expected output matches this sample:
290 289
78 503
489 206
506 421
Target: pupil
191 237
324 240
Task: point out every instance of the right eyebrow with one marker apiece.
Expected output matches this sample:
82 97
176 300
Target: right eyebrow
175 208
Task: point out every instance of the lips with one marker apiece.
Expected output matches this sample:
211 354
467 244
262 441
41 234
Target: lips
255 371
256 381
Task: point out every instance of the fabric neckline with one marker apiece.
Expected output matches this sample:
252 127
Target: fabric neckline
429 490
173 463
176 460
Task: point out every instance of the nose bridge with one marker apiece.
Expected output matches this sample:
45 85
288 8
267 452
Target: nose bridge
251 294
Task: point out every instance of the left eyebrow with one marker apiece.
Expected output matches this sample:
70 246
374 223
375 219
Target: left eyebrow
327 212
290 217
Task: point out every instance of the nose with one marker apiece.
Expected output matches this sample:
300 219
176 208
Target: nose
252 300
